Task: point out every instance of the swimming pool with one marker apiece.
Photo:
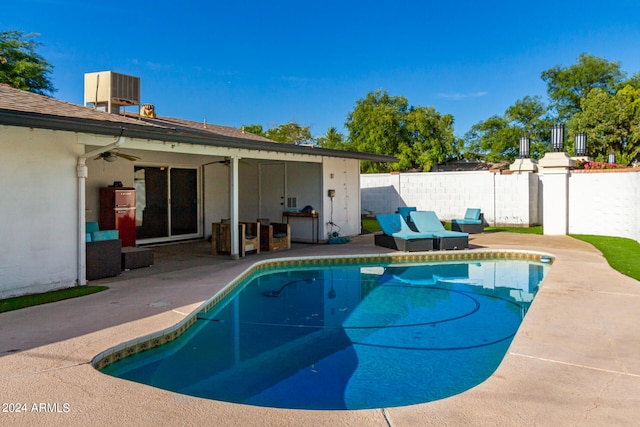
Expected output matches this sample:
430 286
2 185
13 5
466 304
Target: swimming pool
343 334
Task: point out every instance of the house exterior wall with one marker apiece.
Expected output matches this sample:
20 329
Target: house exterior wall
343 176
39 210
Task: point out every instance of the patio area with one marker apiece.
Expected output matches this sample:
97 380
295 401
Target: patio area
574 360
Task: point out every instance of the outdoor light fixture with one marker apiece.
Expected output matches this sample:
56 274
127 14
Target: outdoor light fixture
525 144
557 137
612 158
580 146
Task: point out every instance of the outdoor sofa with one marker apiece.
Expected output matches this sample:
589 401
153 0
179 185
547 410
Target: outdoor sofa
103 252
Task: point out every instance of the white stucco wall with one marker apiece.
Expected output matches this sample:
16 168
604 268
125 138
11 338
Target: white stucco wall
343 176
39 210
605 203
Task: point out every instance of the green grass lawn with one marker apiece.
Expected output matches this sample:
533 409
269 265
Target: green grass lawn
536 229
16 303
621 254
370 225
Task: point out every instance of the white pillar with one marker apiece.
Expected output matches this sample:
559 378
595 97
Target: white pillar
554 168
523 166
82 173
233 205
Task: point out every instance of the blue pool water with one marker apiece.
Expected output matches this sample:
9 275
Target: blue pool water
348 337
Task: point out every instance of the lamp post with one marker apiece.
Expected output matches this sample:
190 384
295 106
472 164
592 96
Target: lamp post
523 164
525 145
557 137
580 145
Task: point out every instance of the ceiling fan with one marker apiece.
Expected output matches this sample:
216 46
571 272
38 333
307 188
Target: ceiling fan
112 156
226 162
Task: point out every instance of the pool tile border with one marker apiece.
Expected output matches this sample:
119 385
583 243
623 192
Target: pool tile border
147 342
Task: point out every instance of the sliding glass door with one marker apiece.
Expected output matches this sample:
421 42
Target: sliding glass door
184 201
166 202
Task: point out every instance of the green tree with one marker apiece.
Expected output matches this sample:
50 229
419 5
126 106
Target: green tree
254 129
333 139
376 126
430 139
21 66
290 133
567 86
385 124
492 139
498 138
612 124
633 81
530 117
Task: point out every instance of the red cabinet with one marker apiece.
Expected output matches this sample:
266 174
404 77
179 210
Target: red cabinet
118 212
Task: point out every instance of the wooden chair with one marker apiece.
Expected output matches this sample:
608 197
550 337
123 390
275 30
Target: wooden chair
248 232
274 236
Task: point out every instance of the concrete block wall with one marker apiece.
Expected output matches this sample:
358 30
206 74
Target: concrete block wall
379 193
503 199
605 203
517 200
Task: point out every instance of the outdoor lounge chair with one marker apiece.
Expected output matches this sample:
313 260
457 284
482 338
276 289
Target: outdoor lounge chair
428 222
405 211
397 235
473 222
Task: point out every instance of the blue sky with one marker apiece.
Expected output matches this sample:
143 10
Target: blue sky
271 62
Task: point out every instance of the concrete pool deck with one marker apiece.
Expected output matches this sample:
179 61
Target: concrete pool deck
574 360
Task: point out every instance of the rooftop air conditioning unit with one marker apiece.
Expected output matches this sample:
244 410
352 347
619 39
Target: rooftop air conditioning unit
108 91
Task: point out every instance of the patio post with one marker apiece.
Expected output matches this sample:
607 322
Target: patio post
233 205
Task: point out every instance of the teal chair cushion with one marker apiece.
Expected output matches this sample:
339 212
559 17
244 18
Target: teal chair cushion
466 221
90 227
428 222
98 236
405 210
394 225
472 213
